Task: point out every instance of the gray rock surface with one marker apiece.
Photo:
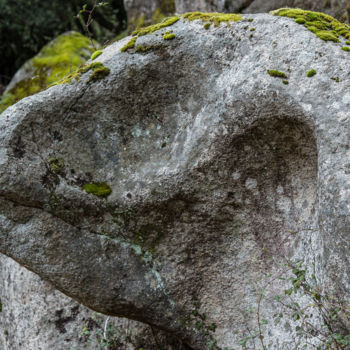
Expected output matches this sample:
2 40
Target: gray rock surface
212 164
36 316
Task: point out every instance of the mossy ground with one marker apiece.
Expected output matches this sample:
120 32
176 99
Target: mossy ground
324 26
55 60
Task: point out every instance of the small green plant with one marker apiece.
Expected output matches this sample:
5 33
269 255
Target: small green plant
200 323
311 73
320 320
346 48
86 24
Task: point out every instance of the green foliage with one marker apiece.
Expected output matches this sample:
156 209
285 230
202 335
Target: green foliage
346 48
99 189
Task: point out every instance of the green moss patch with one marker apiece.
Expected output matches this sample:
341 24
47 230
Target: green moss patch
55 60
98 74
324 26
277 74
130 44
208 18
169 36
311 73
99 189
285 82
99 71
346 48
96 54
212 18
149 30
155 27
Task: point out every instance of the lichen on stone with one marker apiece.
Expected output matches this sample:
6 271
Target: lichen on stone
99 189
56 165
324 26
276 74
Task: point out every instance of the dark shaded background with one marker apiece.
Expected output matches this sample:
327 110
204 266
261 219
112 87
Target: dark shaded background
27 25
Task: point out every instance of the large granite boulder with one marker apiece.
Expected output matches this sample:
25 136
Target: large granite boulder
168 188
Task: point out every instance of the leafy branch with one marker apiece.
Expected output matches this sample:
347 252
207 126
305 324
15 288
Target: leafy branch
90 19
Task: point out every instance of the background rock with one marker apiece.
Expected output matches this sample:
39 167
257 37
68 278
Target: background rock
336 8
54 61
145 12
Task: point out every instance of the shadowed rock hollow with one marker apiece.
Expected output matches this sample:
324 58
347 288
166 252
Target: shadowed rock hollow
217 171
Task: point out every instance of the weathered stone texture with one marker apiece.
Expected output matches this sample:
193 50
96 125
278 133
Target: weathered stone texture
212 162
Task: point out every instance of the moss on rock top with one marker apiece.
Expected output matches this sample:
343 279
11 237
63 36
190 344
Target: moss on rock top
209 18
324 26
56 60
